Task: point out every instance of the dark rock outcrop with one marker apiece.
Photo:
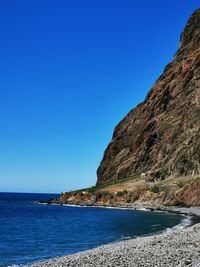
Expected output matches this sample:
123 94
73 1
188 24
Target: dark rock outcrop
162 134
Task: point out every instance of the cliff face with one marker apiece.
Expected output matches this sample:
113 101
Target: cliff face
162 134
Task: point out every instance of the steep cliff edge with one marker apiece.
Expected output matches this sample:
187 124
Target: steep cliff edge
154 155
161 136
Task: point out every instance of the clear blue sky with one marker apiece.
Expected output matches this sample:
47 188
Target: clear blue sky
70 71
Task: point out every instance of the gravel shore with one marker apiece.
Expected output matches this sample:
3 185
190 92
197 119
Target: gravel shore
171 249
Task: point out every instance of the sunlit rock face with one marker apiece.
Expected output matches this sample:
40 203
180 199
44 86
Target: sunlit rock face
162 134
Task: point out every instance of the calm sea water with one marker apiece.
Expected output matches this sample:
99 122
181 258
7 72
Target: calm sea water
31 232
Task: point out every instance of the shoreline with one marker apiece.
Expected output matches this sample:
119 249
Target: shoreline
176 247
192 211
185 211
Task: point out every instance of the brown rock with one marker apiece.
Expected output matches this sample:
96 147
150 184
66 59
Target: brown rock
189 195
162 134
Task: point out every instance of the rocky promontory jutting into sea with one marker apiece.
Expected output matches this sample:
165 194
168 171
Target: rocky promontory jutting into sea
154 154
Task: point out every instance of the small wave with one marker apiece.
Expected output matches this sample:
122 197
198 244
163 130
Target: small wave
185 222
40 203
142 209
101 207
107 207
71 205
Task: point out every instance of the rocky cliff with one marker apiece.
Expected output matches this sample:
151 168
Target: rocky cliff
161 136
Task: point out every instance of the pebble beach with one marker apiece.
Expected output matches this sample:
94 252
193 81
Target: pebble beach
174 248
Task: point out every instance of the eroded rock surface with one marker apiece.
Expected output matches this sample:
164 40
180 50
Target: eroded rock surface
162 134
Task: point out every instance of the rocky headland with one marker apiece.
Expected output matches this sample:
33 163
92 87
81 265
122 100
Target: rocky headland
154 154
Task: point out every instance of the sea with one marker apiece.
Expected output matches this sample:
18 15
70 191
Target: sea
31 232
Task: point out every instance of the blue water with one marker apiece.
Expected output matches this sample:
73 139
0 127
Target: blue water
31 232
